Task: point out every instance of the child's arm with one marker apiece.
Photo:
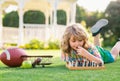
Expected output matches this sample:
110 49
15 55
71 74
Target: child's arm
83 52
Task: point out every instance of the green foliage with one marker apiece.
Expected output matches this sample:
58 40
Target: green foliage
26 46
54 44
111 31
11 19
80 14
113 8
61 17
37 44
34 44
107 42
93 17
8 45
35 17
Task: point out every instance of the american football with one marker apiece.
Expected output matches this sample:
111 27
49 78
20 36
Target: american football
12 57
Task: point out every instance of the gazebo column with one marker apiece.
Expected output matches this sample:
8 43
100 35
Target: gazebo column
55 12
68 17
1 26
51 17
55 16
51 11
21 36
73 13
46 27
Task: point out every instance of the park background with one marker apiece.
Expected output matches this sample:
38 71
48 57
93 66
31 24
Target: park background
36 19
58 71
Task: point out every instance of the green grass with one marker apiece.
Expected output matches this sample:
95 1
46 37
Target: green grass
58 72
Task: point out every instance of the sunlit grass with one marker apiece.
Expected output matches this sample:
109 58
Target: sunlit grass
58 72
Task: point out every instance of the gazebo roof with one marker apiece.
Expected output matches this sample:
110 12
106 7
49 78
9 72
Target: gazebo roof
42 5
7 3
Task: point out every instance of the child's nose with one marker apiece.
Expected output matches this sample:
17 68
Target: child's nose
77 43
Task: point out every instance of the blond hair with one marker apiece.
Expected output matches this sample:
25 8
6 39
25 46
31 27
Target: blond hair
78 32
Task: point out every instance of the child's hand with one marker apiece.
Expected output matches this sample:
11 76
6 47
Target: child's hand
83 52
80 50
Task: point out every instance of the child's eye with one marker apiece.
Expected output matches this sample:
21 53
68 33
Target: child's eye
73 40
80 40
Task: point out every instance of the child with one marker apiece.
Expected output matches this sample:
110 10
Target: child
75 43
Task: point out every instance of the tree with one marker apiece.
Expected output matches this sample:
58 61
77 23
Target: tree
113 28
61 17
11 19
80 14
34 17
93 17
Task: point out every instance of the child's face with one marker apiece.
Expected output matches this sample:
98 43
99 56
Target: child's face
75 43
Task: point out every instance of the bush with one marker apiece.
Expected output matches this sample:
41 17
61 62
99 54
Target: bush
11 19
61 17
34 17
34 44
54 44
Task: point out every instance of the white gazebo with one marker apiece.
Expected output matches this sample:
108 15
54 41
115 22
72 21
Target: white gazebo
48 7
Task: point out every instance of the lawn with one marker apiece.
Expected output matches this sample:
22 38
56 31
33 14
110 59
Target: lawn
58 72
